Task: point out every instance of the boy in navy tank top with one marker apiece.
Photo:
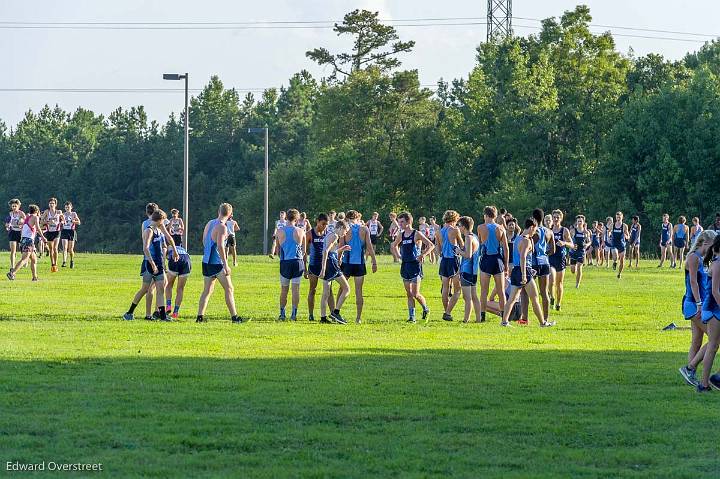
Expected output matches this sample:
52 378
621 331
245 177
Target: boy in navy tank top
314 241
493 258
666 229
620 236
215 265
152 268
406 247
635 233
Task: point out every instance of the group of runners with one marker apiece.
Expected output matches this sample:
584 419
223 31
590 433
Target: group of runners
166 265
525 260
32 232
701 301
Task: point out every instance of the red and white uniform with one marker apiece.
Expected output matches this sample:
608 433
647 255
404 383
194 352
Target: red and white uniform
16 222
175 226
69 220
53 220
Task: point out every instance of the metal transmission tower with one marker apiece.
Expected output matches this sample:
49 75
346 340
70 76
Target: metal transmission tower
499 19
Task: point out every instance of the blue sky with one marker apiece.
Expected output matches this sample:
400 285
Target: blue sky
61 58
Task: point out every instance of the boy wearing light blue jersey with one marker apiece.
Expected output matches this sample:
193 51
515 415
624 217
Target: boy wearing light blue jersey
353 263
447 241
291 245
215 264
493 258
681 233
469 270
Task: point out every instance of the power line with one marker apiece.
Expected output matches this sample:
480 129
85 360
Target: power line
638 29
254 22
627 35
136 90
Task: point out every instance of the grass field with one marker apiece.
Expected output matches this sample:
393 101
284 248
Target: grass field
597 396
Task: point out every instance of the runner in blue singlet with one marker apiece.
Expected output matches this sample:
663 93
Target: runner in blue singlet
447 240
493 263
469 270
711 317
697 288
681 233
635 233
215 264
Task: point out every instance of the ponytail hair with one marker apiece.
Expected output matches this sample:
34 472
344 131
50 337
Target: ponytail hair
712 251
706 237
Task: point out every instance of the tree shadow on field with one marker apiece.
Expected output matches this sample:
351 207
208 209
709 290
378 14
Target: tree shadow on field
364 413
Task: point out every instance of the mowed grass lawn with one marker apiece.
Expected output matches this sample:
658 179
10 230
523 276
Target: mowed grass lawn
597 396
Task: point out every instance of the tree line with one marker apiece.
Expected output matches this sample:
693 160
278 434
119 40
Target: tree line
560 119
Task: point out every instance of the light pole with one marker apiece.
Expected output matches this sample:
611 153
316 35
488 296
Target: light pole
186 155
267 212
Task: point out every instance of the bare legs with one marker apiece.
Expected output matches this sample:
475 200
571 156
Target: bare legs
209 286
472 302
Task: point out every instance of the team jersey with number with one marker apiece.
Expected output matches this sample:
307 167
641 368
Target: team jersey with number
16 223
175 226
53 220
69 220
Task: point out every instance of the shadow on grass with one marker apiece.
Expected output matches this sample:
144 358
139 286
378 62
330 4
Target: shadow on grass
364 413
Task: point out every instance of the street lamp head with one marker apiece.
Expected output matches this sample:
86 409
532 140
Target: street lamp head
173 76
256 130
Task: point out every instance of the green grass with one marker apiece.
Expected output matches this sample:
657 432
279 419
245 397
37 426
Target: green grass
598 396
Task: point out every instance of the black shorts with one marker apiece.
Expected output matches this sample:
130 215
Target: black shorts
230 241
449 267
558 262
351 270
492 264
542 270
577 258
411 271
292 268
332 270
52 235
516 276
620 248
181 267
315 269
14 236
373 239
679 243
211 270
468 279
177 239
146 271
70 235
